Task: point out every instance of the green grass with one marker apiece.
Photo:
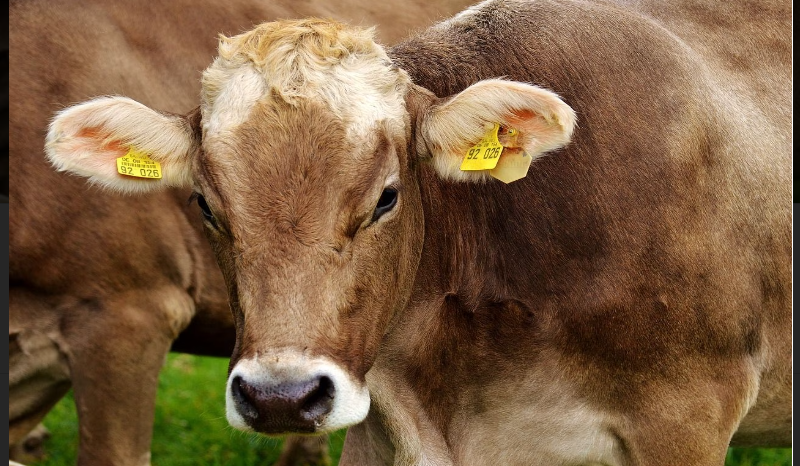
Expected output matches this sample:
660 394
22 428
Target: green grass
190 427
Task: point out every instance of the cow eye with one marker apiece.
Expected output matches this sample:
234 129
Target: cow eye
386 203
201 201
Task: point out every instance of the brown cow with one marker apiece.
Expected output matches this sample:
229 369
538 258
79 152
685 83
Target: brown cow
101 284
625 303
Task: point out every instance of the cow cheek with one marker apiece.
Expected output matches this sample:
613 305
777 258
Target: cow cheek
223 253
389 287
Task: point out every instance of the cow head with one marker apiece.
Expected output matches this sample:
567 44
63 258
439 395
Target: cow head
304 157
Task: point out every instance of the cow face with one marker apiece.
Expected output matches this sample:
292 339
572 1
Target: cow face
304 157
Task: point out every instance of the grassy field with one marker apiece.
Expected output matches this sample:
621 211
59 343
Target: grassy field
190 427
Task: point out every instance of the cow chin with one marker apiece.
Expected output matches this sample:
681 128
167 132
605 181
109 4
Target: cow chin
288 392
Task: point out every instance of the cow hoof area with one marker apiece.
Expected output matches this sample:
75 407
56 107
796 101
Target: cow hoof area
31 448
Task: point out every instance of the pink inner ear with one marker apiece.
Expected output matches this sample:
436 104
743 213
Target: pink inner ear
509 136
97 139
526 120
523 115
89 133
98 155
534 129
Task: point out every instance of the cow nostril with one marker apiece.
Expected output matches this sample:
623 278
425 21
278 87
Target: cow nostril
285 407
319 401
244 404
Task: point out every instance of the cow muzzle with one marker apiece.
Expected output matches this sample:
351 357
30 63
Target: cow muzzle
289 393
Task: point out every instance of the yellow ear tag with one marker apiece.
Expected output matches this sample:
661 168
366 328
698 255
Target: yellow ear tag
513 166
485 154
138 164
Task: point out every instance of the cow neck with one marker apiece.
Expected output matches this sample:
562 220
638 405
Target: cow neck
470 282
468 227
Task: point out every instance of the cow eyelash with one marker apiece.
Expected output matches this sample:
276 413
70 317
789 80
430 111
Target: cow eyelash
204 209
386 202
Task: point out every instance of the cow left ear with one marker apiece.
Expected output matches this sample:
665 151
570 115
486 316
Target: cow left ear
530 119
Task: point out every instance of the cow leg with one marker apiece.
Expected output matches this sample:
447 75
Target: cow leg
38 371
688 447
31 448
38 378
116 353
692 424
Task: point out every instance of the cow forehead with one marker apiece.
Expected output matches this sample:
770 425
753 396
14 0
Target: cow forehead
339 66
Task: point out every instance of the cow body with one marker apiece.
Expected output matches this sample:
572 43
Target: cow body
102 284
635 288
628 302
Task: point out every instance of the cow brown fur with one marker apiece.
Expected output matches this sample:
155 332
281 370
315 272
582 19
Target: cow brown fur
627 303
103 285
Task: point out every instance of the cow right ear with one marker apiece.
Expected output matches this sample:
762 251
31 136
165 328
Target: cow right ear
155 148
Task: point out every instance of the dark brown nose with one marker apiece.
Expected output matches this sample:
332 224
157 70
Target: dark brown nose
286 407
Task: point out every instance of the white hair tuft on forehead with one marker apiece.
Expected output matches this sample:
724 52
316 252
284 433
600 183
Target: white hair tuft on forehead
325 60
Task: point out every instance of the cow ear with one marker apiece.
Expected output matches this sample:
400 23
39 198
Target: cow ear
537 118
88 138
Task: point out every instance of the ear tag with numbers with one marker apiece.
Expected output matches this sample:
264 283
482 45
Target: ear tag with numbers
485 154
138 164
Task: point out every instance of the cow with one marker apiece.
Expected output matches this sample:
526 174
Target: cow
102 286
539 232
